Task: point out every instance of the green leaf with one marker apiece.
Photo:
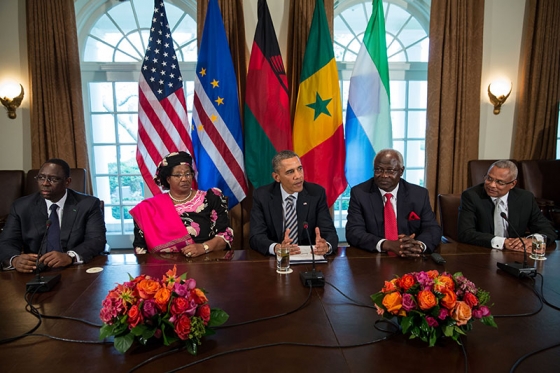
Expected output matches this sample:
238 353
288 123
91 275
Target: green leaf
192 348
433 338
448 330
217 317
139 330
130 277
183 277
106 331
424 326
489 320
459 330
406 323
377 298
122 344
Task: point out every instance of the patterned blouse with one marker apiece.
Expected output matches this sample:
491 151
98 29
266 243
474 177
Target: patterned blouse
205 216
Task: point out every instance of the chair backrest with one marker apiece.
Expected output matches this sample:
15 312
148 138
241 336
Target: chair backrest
449 216
11 188
78 175
477 169
541 178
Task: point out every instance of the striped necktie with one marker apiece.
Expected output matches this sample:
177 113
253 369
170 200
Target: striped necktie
291 218
498 220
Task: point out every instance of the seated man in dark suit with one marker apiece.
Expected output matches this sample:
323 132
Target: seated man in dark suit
386 213
272 213
480 222
76 229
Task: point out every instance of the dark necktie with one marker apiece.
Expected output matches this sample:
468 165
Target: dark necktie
291 218
391 231
53 237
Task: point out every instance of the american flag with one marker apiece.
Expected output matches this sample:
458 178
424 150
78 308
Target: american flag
162 114
217 136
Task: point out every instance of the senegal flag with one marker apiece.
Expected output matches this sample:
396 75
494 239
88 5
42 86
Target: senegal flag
267 109
318 132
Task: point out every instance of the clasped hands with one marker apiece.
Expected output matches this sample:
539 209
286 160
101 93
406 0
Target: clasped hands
405 246
321 246
28 262
516 245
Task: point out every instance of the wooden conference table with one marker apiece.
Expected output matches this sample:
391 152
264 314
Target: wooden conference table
247 287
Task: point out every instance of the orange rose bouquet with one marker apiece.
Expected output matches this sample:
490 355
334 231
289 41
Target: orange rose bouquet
430 305
171 309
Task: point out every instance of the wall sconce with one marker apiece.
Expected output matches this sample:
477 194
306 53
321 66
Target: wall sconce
498 92
11 104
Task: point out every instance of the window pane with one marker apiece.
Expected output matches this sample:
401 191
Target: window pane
104 156
101 97
127 96
418 94
97 51
128 160
398 94
128 128
415 155
103 190
397 120
103 128
416 124
415 176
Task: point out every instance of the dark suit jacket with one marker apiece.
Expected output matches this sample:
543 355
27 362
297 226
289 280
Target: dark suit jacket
267 226
476 216
82 230
365 226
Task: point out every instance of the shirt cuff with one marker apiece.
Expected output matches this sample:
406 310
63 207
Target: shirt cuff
498 242
10 266
271 248
78 258
379 243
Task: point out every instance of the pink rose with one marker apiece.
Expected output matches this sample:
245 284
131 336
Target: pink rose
432 322
443 313
408 302
480 312
149 308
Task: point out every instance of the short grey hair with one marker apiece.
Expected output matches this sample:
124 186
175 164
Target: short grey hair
382 152
280 156
504 163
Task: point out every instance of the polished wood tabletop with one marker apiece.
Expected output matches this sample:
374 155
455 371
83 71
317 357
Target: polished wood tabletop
332 332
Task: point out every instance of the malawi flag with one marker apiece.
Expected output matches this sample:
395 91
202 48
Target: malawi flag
267 111
368 114
318 132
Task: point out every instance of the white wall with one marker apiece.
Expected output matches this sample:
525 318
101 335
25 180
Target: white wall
15 136
502 39
503 23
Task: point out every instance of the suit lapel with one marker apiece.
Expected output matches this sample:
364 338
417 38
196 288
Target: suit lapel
302 210
40 218
277 211
377 204
68 218
402 208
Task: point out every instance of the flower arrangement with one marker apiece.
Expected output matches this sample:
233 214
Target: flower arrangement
430 305
171 309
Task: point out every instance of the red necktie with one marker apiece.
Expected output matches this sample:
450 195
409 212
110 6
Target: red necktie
391 231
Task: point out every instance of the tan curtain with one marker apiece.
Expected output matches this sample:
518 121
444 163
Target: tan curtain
57 115
232 14
454 80
536 111
301 15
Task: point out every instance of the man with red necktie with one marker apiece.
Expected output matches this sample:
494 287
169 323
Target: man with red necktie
388 214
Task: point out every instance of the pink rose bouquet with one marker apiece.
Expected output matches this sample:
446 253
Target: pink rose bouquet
430 305
171 309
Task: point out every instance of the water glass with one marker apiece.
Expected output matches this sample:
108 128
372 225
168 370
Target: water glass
283 259
538 247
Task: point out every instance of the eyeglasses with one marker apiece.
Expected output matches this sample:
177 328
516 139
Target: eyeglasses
498 182
389 172
50 179
188 175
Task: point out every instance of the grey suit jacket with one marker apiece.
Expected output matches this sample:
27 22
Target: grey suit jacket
476 216
365 226
82 229
267 225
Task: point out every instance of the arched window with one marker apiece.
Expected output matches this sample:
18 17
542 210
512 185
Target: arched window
113 38
406 26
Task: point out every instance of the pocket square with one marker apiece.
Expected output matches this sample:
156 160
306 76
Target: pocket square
413 216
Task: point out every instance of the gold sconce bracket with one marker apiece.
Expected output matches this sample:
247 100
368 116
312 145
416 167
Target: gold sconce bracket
498 93
12 104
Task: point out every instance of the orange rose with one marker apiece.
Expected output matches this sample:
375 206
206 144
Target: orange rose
390 286
470 299
432 274
426 299
444 281
204 313
198 296
449 298
147 288
392 302
462 313
162 298
406 282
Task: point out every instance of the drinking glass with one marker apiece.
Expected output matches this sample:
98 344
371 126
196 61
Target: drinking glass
538 247
283 259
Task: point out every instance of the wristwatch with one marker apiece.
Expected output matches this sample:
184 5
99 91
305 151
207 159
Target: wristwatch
206 248
72 255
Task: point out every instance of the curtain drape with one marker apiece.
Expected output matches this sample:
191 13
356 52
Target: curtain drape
536 111
454 80
232 14
57 115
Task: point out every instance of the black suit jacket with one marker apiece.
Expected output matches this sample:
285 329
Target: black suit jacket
82 230
476 216
267 225
365 226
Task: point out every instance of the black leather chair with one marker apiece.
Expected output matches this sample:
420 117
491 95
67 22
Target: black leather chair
542 178
11 188
448 205
78 175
